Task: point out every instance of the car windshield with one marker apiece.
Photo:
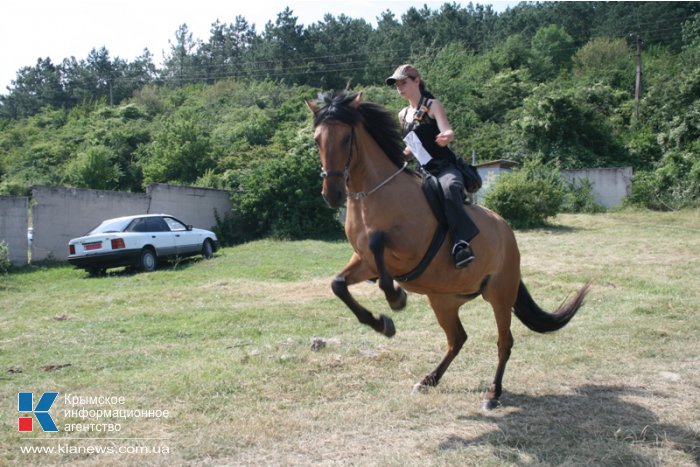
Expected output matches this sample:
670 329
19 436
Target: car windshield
112 225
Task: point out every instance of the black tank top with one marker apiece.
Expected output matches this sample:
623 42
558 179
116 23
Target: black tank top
426 129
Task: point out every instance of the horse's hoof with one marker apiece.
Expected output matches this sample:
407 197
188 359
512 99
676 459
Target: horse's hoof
490 404
389 329
400 304
420 388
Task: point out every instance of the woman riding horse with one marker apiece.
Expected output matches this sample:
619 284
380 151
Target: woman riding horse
390 226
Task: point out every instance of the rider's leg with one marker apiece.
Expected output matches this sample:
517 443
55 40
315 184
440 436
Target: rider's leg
461 226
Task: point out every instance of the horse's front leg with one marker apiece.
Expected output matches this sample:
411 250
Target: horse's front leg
396 296
356 271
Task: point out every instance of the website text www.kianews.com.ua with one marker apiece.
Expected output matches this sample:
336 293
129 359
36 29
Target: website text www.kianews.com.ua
67 449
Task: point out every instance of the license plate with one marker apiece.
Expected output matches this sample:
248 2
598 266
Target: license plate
92 246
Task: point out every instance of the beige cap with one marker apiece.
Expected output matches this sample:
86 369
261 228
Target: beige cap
402 72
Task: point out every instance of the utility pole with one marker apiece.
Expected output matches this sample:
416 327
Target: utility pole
638 82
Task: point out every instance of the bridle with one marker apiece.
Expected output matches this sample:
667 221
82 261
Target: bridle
346 171
346 174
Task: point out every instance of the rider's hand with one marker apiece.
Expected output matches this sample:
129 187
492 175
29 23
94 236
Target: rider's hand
444 138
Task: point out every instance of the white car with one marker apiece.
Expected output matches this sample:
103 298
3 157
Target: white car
139 241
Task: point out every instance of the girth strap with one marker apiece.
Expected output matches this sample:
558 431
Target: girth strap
433 193
435 244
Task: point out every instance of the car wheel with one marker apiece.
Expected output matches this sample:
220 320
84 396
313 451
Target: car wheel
207 249
148 260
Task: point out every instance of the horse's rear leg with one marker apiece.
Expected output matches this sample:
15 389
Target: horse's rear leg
396 296
358 271
447 313
505 344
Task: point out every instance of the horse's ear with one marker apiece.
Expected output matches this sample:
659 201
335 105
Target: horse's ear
313 106
357 101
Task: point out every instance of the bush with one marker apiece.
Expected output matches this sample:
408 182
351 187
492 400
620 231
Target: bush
4 257
280 197
579 198
526 197
229 230
94 168
674 185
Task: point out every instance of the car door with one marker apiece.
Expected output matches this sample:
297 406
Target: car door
160 236
187 242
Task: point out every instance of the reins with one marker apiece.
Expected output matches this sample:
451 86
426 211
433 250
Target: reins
363 194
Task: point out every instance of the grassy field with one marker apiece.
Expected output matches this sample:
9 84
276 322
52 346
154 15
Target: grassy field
224 346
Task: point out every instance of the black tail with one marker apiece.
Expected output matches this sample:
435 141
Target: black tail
539 320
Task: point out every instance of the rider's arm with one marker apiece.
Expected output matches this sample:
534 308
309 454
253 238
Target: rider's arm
446 135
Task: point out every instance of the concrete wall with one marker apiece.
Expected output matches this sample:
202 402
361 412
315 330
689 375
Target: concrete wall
194 206
64 213
610 186
14 216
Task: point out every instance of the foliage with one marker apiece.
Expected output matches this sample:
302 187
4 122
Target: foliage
674 185
94 168
563 124
528 196
579 198
4 257
552 48
280 197
180 152
605 60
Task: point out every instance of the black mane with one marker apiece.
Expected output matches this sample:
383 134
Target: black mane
378 122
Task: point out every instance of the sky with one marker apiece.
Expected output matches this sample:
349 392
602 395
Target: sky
58 29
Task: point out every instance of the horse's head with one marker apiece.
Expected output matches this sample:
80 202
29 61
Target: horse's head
352 134
335 137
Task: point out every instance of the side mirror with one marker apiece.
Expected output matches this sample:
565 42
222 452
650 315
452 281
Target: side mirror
189 227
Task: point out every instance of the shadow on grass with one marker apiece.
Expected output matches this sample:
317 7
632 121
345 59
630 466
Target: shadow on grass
177 264
595 425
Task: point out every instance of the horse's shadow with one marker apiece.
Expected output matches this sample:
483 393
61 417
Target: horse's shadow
595 425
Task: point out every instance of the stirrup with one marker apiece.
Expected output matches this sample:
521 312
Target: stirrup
462 254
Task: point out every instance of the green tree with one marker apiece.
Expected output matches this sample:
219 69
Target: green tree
338 51
605 60
181 66
33 89
179 153
388 48
560 125
94 168
282 50
552 48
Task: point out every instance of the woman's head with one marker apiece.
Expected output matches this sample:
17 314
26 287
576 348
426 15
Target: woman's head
402 73
407 80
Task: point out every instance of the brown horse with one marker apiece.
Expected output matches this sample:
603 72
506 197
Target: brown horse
390 227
